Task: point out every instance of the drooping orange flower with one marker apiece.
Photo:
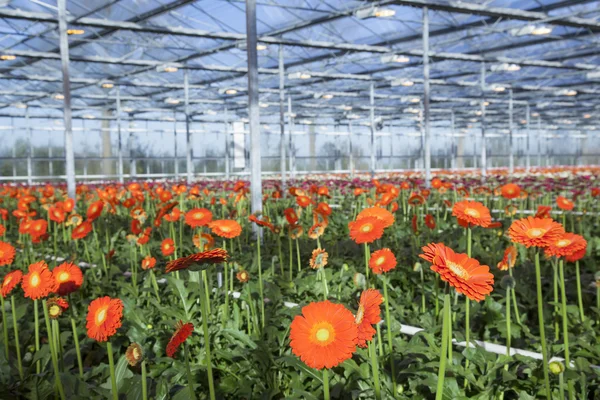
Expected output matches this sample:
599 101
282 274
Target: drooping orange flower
204 241
167 247
174 215
564 204
38 282
386 217
94 210
11 280
56 306
368 314
510 191
509 259
182 332
324 335
543 212
262 222
538 232
134 354
416 199
290 216
430 221
227 228
463 273
565 245
318 259
164 210
366 229
198 217
148 262
214 256
472 212
104 318
68 278
81 231
7 253
382 261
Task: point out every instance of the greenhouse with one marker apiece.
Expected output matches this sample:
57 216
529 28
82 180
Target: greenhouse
299 199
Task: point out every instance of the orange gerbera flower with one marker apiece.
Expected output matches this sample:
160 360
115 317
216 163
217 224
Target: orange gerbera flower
38 229
182 332
38 282
303 201
243 276
214 256
366 229
174 215
68 278
543 212
565 245
316 231
56 214
430 221
318 259
510 191
324 335
7 253
416 199
538 232
134 354
465 274
11 280
472 212
164 210
323 209
380 213
226 228
368 314
564 204
81 231
576 256
104 318
148 262
94 210
262 222
198 217
382 261
509 259
167 247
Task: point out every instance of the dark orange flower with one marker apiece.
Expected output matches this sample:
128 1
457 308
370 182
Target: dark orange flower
436 183
290 216
316 231
38 229
148 262
94 210
243 276
576 256
198 217
104 318
226 228
174 215
264 222
386 217
11 280
323 191
430 221
510 191
472 212
38 282
366 229
296 231
414 224
68 205
164 210
56 306
463 273
538 232
68 278
214 256
543 212
368 314
182 332
134 354
565 245
509 259
416 199
7 253
382 261
318 259
167 247
208 242
56 214
82 230
303 201
324 336
564 204
323 208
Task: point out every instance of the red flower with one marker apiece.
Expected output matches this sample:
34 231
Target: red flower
214 256
182 332
430 221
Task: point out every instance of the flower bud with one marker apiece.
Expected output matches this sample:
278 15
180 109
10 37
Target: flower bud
508 282
557 367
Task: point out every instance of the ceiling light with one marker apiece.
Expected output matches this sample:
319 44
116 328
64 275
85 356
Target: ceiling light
59 96
299 75
411 110
402 82
107 85
498 88
378 12
166 68
127 109
478 113
305 121
486 103
263 105
89 116
170 100
587 116
231 91
168 119
535 114
541 30
567 92
352 116
327 96
394 58
415 100
7 57
523 121
261 47
210 112
346 108
75 31
505 67
23 105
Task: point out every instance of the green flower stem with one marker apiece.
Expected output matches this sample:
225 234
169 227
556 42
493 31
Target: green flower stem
36 319
144 382
111 365
298 255
556 301
226 288
77 349
260 282
324 282
4 326
188 370
367 256
291 257
16 331
508 322
514 301
325 384
540 304
154 285
467 305
565 325
375 369
579 296
437 300
388 321
423 305
204 310
444 348
279 252
53 352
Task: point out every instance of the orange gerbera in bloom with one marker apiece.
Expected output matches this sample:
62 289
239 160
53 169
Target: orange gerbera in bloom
316 231
38 229
510 191
56 214
318 259
167 247
7 253
472 212
509 259
565 245
243 276
198 217
174 215
226 228
436 183
208 242
564 204
104 318
366 229
68 278
538 232
386 217
465 274
290 216
11 280
164 210
56 306
262 222
324 336
416 199
94 210
430 221
576 256
148 262
182 332
38 282
323 208
214 256
543 212
368 314
382 261
303 201
82 230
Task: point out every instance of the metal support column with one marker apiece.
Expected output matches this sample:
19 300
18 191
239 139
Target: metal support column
291 139
282 118
132 163
372 124
527 145
452 132
29 147
119 139
426 94
483 141
539 141
64 58
227 147
350 150
511 151
189 167
253 108
176 163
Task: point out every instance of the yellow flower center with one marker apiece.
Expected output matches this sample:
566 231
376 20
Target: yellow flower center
563 243
167 246
101 316
360 314
380 260
226 228
7 281
457 270
54 311
322 333
199 215
536 232
136 353
63 277
366 228
472 212
35 280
